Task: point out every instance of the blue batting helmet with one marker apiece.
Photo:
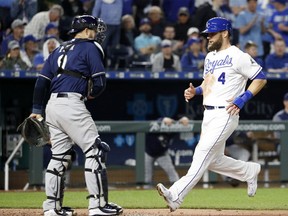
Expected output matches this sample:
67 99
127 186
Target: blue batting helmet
217 24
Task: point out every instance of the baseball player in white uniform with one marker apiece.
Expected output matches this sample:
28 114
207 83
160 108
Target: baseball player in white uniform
226 72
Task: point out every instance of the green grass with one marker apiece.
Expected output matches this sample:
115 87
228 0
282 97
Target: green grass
265 199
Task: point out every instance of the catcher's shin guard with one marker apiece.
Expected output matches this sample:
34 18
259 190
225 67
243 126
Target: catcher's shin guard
93 172
55 180
104 178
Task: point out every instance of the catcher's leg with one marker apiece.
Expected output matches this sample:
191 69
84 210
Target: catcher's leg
104 178
94 183
55 183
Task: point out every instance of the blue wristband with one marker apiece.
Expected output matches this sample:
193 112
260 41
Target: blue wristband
242 99
247 95
198 90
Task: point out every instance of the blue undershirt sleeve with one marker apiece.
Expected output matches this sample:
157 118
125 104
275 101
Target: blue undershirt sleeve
99 85
260 75
41 91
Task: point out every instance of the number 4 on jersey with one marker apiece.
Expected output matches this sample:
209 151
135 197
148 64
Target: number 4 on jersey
221 78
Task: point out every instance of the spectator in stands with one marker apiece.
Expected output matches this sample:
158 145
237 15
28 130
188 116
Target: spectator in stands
87 6
49 45
193 32
128 31
279 21
237 6
156 150
17 33
128 7
142 7
165 60
5 18
183 24
157 21
71 9
225 11
252 49
146 43
12 60
281 115
266 9
250 24
76 7
169 34
30 49
52 30
171 7
39 21
23 9
207 11
277 61
111 13
123 54
193 58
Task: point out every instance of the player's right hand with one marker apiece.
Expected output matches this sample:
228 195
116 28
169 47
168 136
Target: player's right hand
89 97
37 116
189 92
231 108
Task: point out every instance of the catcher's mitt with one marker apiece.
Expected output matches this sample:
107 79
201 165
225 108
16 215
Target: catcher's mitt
35 131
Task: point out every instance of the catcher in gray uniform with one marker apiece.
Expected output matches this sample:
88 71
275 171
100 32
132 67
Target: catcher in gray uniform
66 74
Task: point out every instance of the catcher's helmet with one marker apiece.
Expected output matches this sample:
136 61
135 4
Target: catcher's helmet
79 23
217 24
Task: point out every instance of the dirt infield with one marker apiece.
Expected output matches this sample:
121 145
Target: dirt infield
157 212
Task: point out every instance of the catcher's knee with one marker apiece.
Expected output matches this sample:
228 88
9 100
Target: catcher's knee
59 163
98 151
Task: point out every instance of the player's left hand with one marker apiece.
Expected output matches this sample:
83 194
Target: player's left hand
232 109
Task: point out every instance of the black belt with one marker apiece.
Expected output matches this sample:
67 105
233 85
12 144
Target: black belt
213 107
65 95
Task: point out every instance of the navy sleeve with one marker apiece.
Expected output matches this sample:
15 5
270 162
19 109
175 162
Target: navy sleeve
41 91
99 85
98 75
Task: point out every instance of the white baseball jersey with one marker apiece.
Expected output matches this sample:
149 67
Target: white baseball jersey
225 75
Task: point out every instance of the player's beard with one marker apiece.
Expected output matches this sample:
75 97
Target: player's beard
216 45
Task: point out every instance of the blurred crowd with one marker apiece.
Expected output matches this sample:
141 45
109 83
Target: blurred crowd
158 35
